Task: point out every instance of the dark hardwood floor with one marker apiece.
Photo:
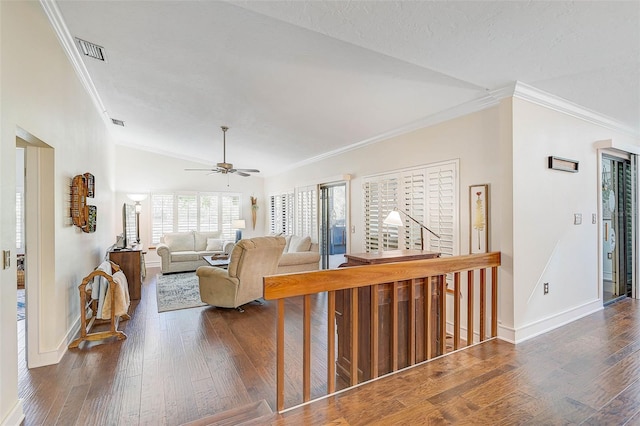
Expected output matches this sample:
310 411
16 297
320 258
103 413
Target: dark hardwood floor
181 366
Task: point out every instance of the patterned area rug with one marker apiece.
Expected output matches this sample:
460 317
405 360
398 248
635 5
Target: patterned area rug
178 291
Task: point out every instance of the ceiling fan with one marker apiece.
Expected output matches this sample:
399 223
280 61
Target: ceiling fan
225 167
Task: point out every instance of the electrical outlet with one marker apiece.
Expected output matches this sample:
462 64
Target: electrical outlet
546 288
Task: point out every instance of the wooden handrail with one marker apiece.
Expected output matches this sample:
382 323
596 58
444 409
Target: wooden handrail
427 275
303 283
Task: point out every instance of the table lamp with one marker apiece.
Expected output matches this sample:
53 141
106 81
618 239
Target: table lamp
238 225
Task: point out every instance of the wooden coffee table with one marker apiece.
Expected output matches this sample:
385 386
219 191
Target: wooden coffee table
218 262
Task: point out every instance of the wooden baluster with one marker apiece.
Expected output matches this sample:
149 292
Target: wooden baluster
412 322
280 356
354 337
483 304
394 327
331 342
375 331
494 301
428 335
456 310
306 341
442 301
470 314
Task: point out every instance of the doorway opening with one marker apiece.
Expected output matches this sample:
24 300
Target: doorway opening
333 224
618 228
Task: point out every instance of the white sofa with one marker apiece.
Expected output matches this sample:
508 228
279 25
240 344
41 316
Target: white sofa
299 255
184 251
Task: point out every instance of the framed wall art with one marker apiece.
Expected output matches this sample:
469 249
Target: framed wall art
478 219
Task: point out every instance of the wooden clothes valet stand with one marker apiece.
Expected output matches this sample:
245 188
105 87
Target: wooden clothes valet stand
87 302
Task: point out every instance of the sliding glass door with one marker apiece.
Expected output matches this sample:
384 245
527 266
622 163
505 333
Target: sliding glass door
618 231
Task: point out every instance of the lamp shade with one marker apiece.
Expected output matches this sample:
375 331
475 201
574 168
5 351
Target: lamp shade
393 219
238 224
137 197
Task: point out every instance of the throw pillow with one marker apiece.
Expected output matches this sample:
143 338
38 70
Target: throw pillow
299 244
214 244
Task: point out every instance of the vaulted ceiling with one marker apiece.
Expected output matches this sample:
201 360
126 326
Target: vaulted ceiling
295 80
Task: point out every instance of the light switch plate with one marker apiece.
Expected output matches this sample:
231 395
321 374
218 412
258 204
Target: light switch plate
594 218
577 219
6 259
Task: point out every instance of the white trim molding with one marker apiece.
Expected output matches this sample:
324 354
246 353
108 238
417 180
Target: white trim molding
52 11
16 415
552 322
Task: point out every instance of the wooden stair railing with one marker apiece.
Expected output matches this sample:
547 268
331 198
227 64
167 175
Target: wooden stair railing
281 287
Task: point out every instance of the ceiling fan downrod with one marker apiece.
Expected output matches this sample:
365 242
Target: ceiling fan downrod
224 164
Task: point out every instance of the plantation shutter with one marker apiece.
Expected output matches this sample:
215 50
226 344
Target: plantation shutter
281 214
306 212
187 213
209 213
412 202
442 208
230 210
380 197
427 193
206 212
19 220
162 215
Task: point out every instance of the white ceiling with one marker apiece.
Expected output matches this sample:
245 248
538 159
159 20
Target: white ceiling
297 79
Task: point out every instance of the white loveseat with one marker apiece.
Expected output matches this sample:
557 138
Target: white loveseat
299 255
184 251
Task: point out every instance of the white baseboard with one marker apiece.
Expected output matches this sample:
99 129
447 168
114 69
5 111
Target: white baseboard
155 264
15 416
545 325
41 359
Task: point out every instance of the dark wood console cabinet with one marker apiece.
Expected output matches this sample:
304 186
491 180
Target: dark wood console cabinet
385 343
130 261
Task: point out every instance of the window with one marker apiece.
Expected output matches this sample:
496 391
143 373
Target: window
162 215
205 212
380 197
19 220
187 213
306 213
428 193
281 213
295 212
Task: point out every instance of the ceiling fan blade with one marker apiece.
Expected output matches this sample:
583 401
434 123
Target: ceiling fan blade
249 170
201 170
241 173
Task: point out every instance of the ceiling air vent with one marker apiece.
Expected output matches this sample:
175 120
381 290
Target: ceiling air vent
92 50
117 122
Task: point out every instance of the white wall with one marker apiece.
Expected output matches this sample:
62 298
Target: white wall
145 173
473 139
42 95
548 247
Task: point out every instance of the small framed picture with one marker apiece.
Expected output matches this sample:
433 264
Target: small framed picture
479 219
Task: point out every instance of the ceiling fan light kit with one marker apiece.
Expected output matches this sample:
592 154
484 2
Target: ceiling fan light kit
225 167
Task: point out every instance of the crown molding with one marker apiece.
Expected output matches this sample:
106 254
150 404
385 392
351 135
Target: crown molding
556 103
54 15
488 100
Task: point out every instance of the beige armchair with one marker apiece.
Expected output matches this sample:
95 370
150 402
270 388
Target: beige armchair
241 283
